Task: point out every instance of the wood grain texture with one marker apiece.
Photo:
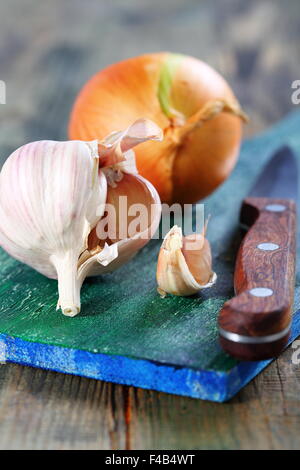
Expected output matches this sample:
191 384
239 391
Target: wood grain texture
257 317
46 410
47 51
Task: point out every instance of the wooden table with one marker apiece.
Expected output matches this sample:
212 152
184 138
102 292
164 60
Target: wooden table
47 51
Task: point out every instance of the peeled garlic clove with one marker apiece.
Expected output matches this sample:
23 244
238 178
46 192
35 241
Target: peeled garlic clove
184 264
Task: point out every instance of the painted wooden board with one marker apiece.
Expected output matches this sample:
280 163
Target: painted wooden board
126 333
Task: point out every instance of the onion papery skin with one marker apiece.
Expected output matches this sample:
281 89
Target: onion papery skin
169 89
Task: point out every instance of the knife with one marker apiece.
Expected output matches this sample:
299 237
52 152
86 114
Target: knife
255 324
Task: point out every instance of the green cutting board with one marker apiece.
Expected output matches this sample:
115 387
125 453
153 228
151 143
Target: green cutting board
125 332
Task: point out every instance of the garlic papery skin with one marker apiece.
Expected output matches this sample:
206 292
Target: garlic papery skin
53 196
184 264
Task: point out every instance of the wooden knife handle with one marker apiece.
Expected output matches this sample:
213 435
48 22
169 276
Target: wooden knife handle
255 324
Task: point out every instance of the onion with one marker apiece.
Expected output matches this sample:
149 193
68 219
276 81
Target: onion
190 101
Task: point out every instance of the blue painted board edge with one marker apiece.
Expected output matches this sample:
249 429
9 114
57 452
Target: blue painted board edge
204 384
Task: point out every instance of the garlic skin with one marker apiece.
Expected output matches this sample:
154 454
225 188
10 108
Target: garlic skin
54 194
184 264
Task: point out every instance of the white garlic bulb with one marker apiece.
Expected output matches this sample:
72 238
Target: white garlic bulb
53 197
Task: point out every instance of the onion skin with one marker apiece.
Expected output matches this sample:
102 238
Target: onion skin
168 89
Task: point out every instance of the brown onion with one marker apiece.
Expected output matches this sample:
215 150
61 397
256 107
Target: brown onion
190 101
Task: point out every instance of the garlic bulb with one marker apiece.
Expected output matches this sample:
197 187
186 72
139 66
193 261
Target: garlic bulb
53 199
184 264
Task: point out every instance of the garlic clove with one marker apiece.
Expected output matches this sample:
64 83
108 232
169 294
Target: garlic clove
197 253
179 270
131 198
132 231
123 182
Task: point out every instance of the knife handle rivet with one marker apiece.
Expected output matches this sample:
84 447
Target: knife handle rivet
261 292
268 246
275 207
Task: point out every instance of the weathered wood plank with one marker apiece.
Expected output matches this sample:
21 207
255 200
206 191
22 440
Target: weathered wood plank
46 410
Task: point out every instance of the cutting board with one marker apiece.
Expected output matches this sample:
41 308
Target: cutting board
126 333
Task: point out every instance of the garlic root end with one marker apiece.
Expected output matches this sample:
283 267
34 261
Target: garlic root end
70 311
69 285
162 293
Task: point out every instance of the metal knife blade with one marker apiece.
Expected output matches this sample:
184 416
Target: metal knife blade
279 178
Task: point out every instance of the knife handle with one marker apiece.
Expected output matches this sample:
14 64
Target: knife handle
255 324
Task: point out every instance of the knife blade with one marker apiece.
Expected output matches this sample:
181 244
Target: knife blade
255 324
